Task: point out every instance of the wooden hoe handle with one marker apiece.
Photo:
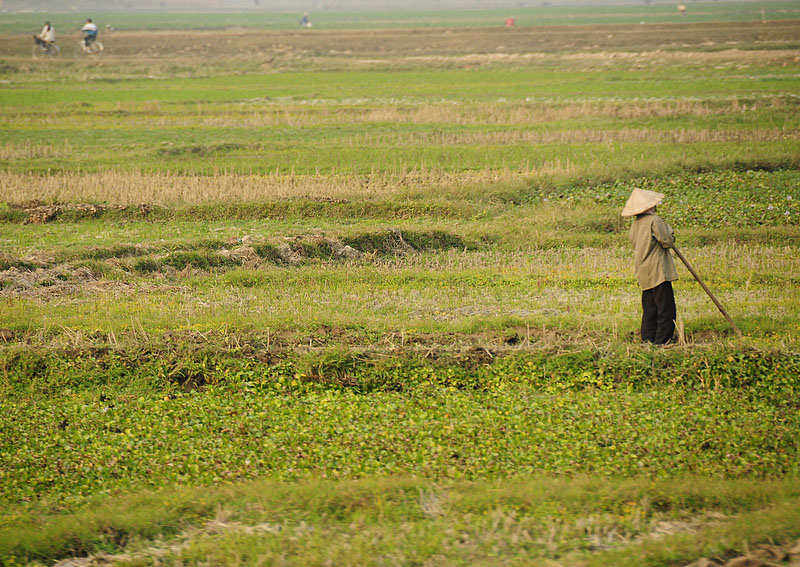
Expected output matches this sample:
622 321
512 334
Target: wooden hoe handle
708 291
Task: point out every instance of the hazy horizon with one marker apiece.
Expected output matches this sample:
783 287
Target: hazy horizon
288 5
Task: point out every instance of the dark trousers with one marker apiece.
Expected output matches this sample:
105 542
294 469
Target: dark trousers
658 314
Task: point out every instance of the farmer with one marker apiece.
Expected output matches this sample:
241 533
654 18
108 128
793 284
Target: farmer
652 239
47 36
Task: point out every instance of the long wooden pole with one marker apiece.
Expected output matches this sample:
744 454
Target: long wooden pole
708 291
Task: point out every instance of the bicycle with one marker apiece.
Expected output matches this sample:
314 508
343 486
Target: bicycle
90 48
45 49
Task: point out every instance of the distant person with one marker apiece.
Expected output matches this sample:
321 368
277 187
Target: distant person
89 30
652 240
46 37
510 22
682 9
305 22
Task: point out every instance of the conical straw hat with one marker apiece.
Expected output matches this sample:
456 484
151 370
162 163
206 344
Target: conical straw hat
641 200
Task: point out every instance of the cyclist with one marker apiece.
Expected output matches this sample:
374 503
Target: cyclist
89 30
46 37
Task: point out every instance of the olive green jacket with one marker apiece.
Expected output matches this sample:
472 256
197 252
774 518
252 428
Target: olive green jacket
652 239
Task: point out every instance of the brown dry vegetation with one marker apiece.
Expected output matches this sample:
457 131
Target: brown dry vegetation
415 43
167 189
600 46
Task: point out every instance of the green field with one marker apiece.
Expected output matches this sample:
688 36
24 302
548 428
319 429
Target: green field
366 298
